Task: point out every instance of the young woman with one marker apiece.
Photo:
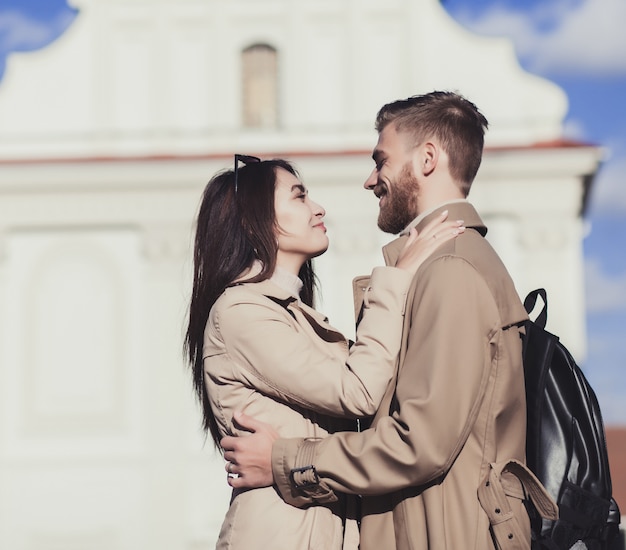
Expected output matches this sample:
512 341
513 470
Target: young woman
256 344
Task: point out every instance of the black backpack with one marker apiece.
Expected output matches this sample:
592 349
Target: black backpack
565 443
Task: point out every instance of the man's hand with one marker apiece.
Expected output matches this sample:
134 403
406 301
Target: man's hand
249 456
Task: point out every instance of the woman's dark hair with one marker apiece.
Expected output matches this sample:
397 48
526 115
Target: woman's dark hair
234 228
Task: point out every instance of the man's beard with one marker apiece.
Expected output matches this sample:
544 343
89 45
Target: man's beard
399 208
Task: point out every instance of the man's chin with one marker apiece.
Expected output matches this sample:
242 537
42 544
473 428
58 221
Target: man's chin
392 225
386 228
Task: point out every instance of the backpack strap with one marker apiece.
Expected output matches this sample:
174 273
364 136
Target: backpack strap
531 301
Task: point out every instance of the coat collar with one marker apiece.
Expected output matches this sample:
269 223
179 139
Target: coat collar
462 210
283 298
269 289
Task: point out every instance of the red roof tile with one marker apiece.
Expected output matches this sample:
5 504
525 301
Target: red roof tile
616 444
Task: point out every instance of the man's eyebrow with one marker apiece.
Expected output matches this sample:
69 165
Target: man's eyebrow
377 155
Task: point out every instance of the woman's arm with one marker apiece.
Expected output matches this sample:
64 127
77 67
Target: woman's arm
288 355
278 356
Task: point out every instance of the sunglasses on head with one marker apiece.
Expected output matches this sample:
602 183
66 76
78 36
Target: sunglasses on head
244 159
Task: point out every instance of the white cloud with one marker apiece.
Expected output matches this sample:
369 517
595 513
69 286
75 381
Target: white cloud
585 39
591 39
17 31
604 292
575 129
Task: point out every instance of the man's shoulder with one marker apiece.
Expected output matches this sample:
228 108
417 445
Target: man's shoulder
477 250
471 255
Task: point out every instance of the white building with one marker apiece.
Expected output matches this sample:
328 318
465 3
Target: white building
107 138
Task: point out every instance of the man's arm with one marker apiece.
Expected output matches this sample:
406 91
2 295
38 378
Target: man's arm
249 463
250 456
438 392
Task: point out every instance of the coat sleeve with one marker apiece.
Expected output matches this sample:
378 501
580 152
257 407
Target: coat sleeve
273 354
440 386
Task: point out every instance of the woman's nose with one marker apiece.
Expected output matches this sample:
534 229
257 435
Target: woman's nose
318 210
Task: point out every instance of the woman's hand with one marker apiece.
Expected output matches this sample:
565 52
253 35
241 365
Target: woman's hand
419 246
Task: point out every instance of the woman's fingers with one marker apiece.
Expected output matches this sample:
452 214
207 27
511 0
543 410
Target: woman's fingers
434 227
419 246
443 233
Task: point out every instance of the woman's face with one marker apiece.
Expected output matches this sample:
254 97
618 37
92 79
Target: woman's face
300 231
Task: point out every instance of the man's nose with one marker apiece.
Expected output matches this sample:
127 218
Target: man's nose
370 182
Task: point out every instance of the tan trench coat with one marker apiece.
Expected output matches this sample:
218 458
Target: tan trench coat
456 404
282 363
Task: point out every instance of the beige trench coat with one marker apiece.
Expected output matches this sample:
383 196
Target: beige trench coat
456 404
281 362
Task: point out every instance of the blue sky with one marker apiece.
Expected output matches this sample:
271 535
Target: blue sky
31 24
577 46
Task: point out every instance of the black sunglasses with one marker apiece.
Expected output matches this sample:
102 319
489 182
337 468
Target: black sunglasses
245 159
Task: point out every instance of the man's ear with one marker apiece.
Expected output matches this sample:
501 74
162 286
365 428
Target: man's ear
427 158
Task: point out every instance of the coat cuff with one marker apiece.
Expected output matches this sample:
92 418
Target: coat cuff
294 473
386 285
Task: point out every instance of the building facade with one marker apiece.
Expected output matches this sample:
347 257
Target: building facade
107 138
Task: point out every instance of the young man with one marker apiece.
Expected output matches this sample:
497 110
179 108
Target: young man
457 402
